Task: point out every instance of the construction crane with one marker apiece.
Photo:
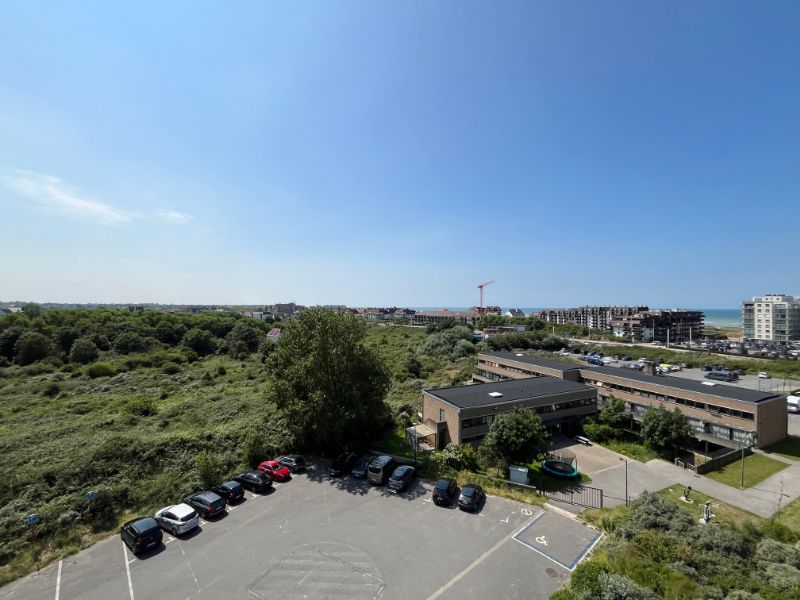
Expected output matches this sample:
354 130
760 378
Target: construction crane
480 287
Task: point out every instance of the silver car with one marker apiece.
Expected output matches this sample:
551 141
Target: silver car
177 519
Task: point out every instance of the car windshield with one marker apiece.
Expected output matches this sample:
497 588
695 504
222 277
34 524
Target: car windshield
468 492
442 485
188 517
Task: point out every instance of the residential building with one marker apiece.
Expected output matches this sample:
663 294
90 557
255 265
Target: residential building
427 317
495 330
722 415
274 334
668 326
514 313
463 414
594 317
383 314
773 317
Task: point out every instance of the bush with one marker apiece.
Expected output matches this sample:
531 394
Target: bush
170 368
209 468
52 390
771 551
586 578
619 587
142 406
102 513
129 342
30 347
100 369
222 371
599 432
778 531
84 351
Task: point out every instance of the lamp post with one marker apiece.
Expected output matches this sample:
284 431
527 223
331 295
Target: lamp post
626 480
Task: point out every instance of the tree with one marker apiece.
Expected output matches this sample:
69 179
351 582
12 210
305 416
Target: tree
329 384
30 347
614 414
200 341
129 342
517 436
663 430
32 310
243 338
84 351
8 341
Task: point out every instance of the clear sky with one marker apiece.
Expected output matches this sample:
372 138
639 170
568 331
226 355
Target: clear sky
400 153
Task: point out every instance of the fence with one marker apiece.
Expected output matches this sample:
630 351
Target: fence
713 464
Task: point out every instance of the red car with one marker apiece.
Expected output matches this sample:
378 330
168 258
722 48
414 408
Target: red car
275 470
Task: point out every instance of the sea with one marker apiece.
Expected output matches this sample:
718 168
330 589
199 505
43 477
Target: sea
718 317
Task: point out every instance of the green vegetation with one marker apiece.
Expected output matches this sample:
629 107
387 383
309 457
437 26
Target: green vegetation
663 429
632 449
757 468
656 548
517 436
789 447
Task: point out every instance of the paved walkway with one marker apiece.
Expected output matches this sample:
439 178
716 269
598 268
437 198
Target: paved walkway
763 499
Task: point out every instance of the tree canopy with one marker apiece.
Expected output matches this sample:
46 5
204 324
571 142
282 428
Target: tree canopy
517 436
663 430
328 383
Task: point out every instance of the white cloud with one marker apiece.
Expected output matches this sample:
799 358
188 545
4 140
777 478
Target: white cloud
174 217
54 195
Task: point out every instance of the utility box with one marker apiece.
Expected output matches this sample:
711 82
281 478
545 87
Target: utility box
518 474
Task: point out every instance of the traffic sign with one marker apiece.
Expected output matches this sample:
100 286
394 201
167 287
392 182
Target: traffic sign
32 519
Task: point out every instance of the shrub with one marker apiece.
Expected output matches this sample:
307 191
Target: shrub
619 587
84 351
782 576
209 468
129 342
772 551
170 368
100 369
30 347
586 578
778 531
52 390
142 406
222 371
102 513
655 545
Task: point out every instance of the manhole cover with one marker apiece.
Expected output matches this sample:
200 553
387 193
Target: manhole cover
321 570
551 572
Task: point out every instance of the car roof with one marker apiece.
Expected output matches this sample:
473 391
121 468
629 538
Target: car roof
208 496
444 482
230 485
143 524
180 510
382 460
470 487
403 469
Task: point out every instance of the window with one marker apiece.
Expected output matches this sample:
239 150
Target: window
441 415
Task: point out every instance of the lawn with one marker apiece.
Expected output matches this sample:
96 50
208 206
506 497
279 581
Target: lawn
757 468
395 444
630 449
789 447
789 515
723 513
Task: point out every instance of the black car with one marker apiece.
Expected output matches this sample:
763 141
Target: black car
444 492
141 534
471 497
230 491
362 466
343 463
401 478
255 481
207 503
294 462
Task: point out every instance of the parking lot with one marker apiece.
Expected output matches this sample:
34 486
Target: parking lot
314 537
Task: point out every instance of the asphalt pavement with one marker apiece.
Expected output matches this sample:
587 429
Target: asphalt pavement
314 537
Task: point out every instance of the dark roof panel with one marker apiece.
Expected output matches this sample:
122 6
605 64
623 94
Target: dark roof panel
681 383
535 360
471 396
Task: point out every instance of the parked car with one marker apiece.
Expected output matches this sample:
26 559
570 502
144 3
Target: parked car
207 503
401 478
763 375
230 491
471 497
343 463
380 469
444 492
275 470
294 462
177 519
361 468
626 358
255 481
141 534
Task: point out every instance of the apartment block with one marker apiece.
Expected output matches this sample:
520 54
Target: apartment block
773 317
594 317
676 325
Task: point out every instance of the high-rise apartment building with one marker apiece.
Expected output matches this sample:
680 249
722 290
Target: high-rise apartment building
773 317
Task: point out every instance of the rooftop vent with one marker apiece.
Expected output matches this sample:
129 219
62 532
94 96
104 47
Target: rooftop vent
495 394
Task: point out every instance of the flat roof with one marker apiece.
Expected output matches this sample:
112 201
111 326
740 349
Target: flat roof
535 360
514 390
721 391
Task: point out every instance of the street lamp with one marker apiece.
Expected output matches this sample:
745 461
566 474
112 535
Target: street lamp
626 480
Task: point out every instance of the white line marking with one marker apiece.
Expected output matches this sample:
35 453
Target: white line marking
469 568
127 569
58 581
188 564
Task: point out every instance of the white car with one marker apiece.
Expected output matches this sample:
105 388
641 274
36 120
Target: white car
177 519
763 375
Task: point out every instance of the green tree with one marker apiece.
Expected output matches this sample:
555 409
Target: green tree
200 341
8 340
517 436
330 385
663 430
209 468
614 414
84 351
32 310
412 364
30 347
129 342
243 338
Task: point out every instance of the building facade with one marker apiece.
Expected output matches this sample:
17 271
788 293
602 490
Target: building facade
594 317
427 317
719 414
773 317
668 326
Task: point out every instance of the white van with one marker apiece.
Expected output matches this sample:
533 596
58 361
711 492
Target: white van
793 404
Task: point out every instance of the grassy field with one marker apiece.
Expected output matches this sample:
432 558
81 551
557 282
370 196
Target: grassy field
757 468
789 447
789 516
723 513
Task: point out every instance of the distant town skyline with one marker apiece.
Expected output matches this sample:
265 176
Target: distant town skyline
374 154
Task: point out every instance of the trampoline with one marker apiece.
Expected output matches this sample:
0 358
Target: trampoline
561 463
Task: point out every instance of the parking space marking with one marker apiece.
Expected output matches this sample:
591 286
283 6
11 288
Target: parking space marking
472 565
58 581
188 564
569 567
127 569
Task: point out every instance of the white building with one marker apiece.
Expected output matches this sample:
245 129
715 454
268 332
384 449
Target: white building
773 317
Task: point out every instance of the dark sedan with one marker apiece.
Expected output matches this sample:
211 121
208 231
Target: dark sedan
231 491
362 466
294 462
343 463
471 497
141 534
401 478
207 503
255 481
444 492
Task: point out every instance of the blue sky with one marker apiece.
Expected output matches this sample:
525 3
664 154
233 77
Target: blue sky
373 153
